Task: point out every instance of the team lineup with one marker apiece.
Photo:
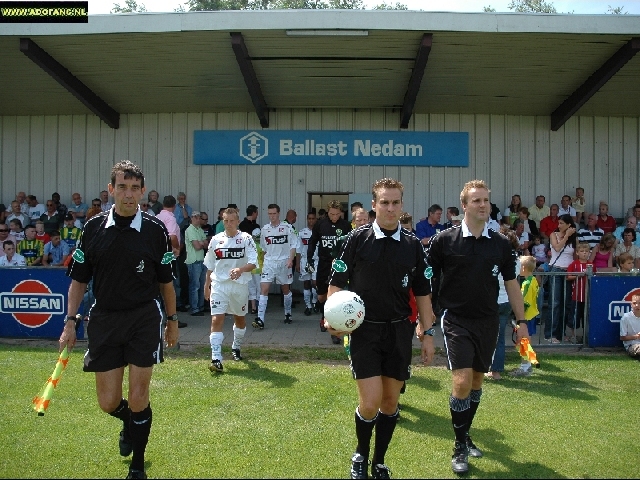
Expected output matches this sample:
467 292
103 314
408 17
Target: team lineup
128 254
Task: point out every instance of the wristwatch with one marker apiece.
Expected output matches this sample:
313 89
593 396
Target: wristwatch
71 318
430 332
173 318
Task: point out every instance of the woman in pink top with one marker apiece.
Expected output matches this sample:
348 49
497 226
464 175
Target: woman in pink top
602 254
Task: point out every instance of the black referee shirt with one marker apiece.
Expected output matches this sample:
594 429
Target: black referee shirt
381 270
465 270
126 263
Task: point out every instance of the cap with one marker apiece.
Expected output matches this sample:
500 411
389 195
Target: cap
256 232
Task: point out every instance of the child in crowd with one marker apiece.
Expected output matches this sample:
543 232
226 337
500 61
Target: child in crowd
529 290
16 229
630 328
625 262
578 203
538 250
41 234
70 233
578 295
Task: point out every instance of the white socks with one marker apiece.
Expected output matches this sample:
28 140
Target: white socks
238 337
215 339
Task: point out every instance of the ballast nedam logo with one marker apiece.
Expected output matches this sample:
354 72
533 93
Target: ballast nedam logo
618 308
31 303
254 147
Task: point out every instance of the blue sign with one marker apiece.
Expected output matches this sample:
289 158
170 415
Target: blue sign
330 147
33 302
610 299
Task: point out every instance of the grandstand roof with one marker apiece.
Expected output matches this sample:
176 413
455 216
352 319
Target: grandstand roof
426 62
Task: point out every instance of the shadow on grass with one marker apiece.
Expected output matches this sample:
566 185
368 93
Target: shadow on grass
491 441
258 373
563 387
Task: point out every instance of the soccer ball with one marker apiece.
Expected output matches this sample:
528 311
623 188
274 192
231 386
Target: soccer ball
344 311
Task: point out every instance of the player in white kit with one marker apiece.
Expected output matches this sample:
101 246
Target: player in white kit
279 241
308 279
231 256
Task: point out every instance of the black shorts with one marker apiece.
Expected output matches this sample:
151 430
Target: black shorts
382 349
470 343
121 337
322 277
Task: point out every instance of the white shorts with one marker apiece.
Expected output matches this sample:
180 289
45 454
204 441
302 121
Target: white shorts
229 297
277 271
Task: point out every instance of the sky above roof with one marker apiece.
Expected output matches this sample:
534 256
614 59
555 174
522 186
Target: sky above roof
590 7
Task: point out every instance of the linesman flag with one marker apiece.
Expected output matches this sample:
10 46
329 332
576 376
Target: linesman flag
527 352
41 401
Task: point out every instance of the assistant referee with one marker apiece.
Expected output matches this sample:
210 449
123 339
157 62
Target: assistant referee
382 262
465 261
128 254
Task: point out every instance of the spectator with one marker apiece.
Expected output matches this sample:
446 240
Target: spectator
15 229
578 294
628 214
636 213
41 235
591 233
538 250
626 263
563 243
61 208
406 222
372 215
4 213
51 218
495 213
630 328
354 206
219 226
17 213
70 234
322 213
512 209
21 197
9 257
55 252
196 244
428 227
539 210
629 237
579 204
30 247
605 221
167 217
144 207
549 224
530 226
105 204
249 224
36 210
95 209
78 209
523 237
6 236
183 211
602 254
566 208
451 212
208 229
154 205
631 223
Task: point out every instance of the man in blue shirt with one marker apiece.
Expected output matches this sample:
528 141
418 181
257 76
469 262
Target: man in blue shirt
428 227
78 208
55 252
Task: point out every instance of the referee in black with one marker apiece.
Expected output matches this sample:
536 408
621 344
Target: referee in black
381 262
128 254
466 261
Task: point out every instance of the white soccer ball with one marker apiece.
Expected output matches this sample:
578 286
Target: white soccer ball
344 311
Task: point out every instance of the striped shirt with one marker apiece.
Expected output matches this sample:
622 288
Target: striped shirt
31 250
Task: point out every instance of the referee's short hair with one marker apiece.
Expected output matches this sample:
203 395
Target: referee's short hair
468 186
130 170
386 183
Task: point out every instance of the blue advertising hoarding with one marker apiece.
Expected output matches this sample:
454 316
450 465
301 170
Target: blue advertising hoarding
33 302
330 147
610 299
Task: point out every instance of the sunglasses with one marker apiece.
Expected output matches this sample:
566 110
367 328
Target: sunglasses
96 204
4 230
49 204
